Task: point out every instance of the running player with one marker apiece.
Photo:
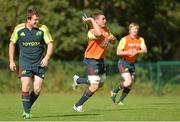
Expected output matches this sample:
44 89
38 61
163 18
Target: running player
129 48
99 38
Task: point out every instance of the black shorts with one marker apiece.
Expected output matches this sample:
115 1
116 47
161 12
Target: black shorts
95 66
125 66
32 71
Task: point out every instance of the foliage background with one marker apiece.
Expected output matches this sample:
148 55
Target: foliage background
159 24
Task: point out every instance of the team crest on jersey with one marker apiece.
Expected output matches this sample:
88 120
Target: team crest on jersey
38 33
126 69
23 72
22 34
42 76
96 71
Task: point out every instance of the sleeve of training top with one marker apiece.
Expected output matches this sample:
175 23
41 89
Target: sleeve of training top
142 45
122 43
47 36
14 36
91 35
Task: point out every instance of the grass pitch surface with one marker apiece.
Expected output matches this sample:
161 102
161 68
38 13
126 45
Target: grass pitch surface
53 107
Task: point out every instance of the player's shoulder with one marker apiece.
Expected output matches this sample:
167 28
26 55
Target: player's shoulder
43 27
123 38
141 38
91 34
19 27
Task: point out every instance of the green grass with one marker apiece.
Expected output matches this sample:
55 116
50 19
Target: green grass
53 107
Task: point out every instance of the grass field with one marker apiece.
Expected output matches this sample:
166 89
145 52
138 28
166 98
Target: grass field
53 107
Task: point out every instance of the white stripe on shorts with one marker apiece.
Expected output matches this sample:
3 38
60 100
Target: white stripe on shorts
97 78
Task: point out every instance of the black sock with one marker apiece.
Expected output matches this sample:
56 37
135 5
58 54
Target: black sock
124 94
26 101
33 98
87 94
83 81
117 89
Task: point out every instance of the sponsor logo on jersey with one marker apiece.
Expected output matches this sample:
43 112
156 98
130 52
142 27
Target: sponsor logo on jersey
31 43
133 44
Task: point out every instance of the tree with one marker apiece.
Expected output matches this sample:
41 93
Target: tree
158 19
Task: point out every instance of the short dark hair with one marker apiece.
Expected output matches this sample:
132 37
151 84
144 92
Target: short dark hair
30 13
96 14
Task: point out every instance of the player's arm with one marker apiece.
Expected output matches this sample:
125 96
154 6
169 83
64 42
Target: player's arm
12 64
45 60
49 50
49 41
13 40
96 29
143 47
111 37
120 49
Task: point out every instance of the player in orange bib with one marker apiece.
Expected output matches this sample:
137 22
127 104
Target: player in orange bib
129 48
99 38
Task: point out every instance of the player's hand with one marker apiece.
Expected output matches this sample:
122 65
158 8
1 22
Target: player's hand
87 19
135 52
44 62
111 37
132 53
12 66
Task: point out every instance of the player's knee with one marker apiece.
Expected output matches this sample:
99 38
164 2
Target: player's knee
96 81
127 83
25 88
37 91
93 87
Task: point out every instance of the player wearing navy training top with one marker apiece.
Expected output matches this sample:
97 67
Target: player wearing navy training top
31 38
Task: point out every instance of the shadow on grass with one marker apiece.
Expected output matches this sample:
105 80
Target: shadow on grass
121 109
109 110
67 115
164 103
